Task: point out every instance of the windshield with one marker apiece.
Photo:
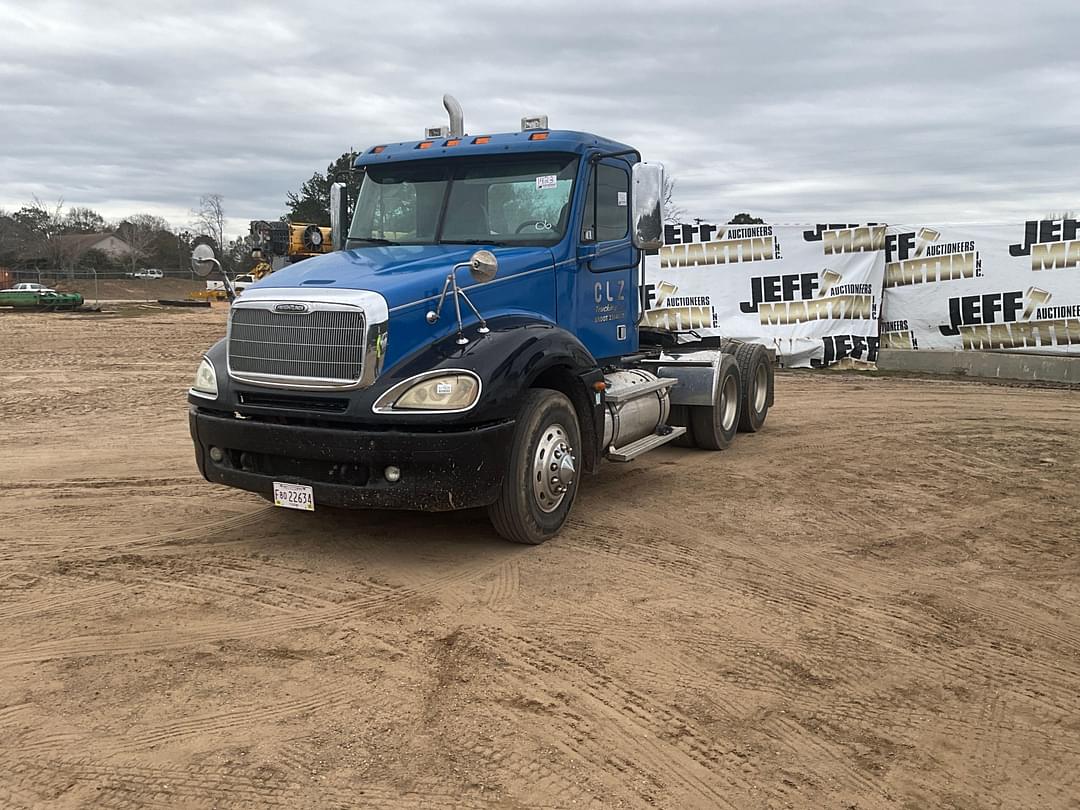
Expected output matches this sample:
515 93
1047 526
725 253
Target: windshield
496 201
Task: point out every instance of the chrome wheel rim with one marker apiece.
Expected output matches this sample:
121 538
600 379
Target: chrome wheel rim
553 468
761 387
729 403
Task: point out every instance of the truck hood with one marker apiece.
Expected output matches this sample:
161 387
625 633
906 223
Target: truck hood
402 274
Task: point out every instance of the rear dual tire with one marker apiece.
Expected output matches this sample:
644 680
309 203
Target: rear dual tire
713 427
756 371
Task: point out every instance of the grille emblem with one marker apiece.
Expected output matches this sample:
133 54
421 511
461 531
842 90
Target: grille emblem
291 308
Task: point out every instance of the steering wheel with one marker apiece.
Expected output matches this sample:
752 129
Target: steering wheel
527 223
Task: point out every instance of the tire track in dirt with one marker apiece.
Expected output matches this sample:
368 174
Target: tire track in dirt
124 482
650 735
334 698
542 778
505 586
908 635
805 572
202 532
133 784
83 598
178 638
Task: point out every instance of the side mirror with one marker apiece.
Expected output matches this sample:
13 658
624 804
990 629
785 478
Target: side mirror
483 266
648 224
339 214
203 261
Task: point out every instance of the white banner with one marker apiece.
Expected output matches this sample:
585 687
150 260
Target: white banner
811 292
983 287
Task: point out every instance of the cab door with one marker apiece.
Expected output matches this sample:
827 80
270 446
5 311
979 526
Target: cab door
607 263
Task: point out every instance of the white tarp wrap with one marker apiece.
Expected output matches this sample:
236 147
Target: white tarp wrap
983 287
812 292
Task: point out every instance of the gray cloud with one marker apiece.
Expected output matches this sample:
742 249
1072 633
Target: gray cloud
914 111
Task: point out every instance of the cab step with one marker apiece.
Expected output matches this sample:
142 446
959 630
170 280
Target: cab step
645 444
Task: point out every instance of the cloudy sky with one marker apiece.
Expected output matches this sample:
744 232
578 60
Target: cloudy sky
796 111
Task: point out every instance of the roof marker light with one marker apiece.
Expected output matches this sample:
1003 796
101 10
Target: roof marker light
534 122
376 149
482 139
452 142
424 144
538 136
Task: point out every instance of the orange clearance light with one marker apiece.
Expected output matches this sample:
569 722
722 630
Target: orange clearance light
453 142
538 136
482 139
424 144
599 385
376 149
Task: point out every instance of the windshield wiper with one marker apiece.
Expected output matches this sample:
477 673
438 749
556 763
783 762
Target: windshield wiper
375 240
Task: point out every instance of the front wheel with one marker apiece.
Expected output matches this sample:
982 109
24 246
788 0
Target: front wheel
542 476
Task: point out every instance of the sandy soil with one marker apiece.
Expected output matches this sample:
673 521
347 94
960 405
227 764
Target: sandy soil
135 289
873 603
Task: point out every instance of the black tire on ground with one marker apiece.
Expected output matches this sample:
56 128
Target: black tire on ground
756 373
679 416
715 425
528 510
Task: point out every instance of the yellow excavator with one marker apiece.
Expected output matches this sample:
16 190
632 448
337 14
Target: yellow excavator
274 245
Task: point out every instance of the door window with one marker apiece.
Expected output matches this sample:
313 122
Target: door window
612 209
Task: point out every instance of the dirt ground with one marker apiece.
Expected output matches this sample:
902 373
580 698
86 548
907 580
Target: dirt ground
136 289
873 603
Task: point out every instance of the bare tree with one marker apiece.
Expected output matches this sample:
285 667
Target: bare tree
141 231
60 255
209 218
672 211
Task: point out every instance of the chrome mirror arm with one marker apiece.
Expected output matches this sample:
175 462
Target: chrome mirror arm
230 290
451 285
483 330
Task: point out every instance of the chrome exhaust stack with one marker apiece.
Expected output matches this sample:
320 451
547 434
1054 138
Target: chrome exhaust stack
457 115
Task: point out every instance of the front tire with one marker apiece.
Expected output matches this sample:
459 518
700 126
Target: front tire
542 477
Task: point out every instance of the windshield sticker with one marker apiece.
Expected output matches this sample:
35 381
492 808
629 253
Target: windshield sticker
546 181
622 199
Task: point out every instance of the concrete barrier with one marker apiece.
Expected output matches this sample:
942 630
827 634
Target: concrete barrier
994 365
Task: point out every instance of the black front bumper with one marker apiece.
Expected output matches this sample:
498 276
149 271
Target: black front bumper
439 471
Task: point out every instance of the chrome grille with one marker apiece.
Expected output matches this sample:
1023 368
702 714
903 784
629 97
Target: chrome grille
323 345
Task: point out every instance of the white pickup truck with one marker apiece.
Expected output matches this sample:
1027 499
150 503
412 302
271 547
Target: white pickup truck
241 283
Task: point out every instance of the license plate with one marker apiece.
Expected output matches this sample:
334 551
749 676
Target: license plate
294 496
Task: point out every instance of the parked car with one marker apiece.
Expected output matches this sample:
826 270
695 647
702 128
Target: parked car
149 273
30 286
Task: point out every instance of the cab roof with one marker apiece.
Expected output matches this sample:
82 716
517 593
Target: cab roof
528 141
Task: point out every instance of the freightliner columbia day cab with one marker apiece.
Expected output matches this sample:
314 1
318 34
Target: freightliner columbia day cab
472 342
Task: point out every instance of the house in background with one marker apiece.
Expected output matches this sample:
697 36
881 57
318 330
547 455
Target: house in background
63 253
75 245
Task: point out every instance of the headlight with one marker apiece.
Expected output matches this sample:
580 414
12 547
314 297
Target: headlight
205 380
450 391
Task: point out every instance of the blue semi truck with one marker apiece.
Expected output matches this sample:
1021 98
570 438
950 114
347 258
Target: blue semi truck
474 339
